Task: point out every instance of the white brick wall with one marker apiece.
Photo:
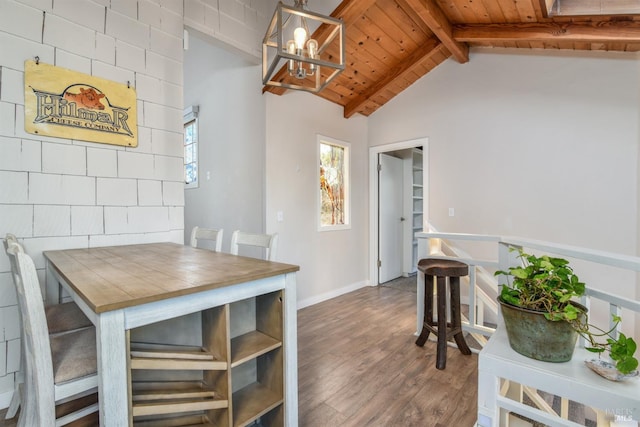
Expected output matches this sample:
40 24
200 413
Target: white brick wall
166 44
176 218
127 29
239 23
173 193
167 143
59 193
150 193
135 165
87 220
12 90
14 187
105 49
21 20
167 168
65 34
72 61
87 13
14 50
7 114
52 220
51 189
11 322
164 68
47 189
161 117
13 356
115 220
3 358
7 290
16 219
129 56
125 7
20 155
64 158
117 192
102 162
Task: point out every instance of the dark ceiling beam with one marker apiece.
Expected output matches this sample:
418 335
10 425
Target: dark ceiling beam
349 11
406 66
594 32
431 14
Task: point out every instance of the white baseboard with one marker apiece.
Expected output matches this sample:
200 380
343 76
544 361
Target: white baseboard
5 399
332 294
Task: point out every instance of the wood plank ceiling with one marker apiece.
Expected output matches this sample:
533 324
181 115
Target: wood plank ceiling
392 43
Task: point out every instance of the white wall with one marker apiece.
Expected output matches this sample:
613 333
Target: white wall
57 193
330 262
228 90
534 144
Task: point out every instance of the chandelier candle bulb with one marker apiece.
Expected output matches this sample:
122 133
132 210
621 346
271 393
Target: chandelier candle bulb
291 48
312 50
300 36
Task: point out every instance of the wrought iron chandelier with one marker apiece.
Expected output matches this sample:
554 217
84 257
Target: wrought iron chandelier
292 59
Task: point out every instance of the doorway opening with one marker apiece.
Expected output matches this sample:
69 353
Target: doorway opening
386 224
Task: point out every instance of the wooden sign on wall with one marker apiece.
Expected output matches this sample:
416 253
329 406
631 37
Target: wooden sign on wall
67 104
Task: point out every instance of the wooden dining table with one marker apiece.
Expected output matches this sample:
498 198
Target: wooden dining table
124 287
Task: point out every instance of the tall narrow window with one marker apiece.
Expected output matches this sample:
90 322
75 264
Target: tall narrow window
333 184
191 147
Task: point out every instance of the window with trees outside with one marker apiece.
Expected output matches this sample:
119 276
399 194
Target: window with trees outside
190 121
333 184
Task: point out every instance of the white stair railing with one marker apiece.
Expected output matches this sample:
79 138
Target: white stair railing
441 245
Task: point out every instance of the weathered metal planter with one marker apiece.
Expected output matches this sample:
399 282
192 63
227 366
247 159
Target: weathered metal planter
532 335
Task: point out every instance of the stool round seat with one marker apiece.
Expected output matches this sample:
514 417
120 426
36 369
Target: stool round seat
443 267
438 270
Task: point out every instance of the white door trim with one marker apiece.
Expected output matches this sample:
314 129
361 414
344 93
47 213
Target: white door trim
373 195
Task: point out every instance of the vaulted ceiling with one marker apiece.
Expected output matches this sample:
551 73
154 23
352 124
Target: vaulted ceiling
392 43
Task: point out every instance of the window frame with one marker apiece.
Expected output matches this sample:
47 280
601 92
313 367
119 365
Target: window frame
190 114
346 173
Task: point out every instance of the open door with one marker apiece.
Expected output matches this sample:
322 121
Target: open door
390 209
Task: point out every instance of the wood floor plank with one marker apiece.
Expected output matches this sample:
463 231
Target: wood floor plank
359 366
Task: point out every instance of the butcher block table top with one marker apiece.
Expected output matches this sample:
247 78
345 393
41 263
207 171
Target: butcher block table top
116 277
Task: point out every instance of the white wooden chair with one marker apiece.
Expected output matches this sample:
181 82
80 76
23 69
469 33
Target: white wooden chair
61 318
267 241
209 234
58 367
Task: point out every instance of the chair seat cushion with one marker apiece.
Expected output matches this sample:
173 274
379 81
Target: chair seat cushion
74 355
65 317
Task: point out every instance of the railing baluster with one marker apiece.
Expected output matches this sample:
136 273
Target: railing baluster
472 295
615 310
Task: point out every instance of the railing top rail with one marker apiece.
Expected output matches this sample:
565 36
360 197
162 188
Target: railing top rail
614 299
458 236
467 260
601 257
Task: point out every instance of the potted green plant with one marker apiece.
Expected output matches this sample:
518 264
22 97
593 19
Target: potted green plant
541 298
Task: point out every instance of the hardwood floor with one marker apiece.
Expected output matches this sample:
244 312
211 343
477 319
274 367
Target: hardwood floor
359 366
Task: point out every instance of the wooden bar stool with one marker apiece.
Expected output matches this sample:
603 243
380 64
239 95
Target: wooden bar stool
441 269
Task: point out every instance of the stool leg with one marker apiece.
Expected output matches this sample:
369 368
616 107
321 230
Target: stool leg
441 357
428 310
456 323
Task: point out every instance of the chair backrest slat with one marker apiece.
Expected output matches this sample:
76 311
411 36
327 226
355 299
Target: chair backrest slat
212 234
267 241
